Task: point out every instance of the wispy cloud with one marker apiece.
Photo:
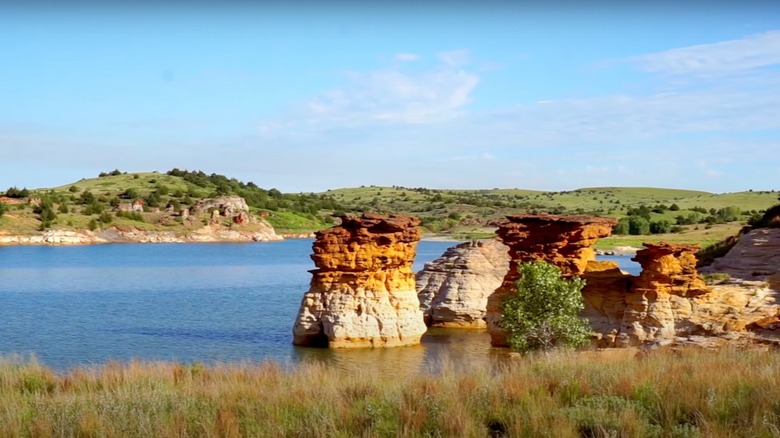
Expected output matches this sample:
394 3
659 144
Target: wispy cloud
722 58
390 96
407 57
455 58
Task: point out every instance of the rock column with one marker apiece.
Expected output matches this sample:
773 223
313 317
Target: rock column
362 293
660 301
564 241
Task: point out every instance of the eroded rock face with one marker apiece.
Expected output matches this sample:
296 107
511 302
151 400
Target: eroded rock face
564 241
454 289
756 256
606 287
226 205
669 302
362 293
660 304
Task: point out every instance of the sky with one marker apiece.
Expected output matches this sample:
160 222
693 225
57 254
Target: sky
309 96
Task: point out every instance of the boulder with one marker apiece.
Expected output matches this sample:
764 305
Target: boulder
453 289
362 292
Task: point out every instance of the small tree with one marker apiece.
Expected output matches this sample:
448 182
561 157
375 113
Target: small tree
543 313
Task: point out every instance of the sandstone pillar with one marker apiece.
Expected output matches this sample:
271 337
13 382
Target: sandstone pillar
362 293
564 241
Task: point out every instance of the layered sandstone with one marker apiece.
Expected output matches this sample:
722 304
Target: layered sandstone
661 301
669 301
604 295
756 256
362 293
564 241
454 289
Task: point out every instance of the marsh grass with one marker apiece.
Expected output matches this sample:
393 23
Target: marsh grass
684 394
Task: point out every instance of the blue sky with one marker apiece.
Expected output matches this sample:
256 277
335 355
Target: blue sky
306 97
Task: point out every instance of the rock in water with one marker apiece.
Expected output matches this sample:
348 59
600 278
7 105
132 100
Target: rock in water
362 293
454 289
564 241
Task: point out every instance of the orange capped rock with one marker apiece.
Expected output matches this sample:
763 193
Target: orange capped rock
362 293
564 241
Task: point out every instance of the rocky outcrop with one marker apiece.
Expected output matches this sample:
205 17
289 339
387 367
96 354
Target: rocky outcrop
362 293
259 231
659 304
226 205
669 302
454 289
755 256
564 241
52 237
604 294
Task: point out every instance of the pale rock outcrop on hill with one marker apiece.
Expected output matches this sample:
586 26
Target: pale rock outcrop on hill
362 293
454 289
226 205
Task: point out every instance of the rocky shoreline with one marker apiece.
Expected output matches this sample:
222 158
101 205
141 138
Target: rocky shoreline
208 233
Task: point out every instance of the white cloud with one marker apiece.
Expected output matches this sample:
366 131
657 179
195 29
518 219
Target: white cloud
392 96
716 59
407 57
455 58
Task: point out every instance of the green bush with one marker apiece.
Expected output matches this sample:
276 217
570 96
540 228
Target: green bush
543 313
3 209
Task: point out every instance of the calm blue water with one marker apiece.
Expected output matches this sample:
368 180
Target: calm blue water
188 302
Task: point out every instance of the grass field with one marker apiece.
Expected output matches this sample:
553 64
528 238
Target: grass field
691 393
457 214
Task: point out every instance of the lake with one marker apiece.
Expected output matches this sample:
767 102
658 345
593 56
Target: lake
226 302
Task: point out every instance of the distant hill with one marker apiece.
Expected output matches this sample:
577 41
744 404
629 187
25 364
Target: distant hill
695 215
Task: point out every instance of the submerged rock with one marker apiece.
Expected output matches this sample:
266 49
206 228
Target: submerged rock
454 289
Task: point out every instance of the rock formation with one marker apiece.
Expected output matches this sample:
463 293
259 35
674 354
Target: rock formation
606 287
669 302
564 241
660 301
362 293
226 205
756 256
453 289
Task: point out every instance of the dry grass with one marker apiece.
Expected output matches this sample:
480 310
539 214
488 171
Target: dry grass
689 394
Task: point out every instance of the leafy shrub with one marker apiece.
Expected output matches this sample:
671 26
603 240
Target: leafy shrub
14 192
543 313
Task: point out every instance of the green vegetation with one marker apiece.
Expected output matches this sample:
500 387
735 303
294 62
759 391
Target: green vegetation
543 313
667 214
643 211
684 394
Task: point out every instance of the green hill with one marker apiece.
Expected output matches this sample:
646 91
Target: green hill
677 215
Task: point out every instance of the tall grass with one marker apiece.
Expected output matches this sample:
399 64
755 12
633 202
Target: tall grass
685 394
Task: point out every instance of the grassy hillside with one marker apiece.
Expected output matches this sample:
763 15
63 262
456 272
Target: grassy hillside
93 203
676 215
467 213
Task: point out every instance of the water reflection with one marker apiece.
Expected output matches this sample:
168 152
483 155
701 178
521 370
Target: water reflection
458 350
